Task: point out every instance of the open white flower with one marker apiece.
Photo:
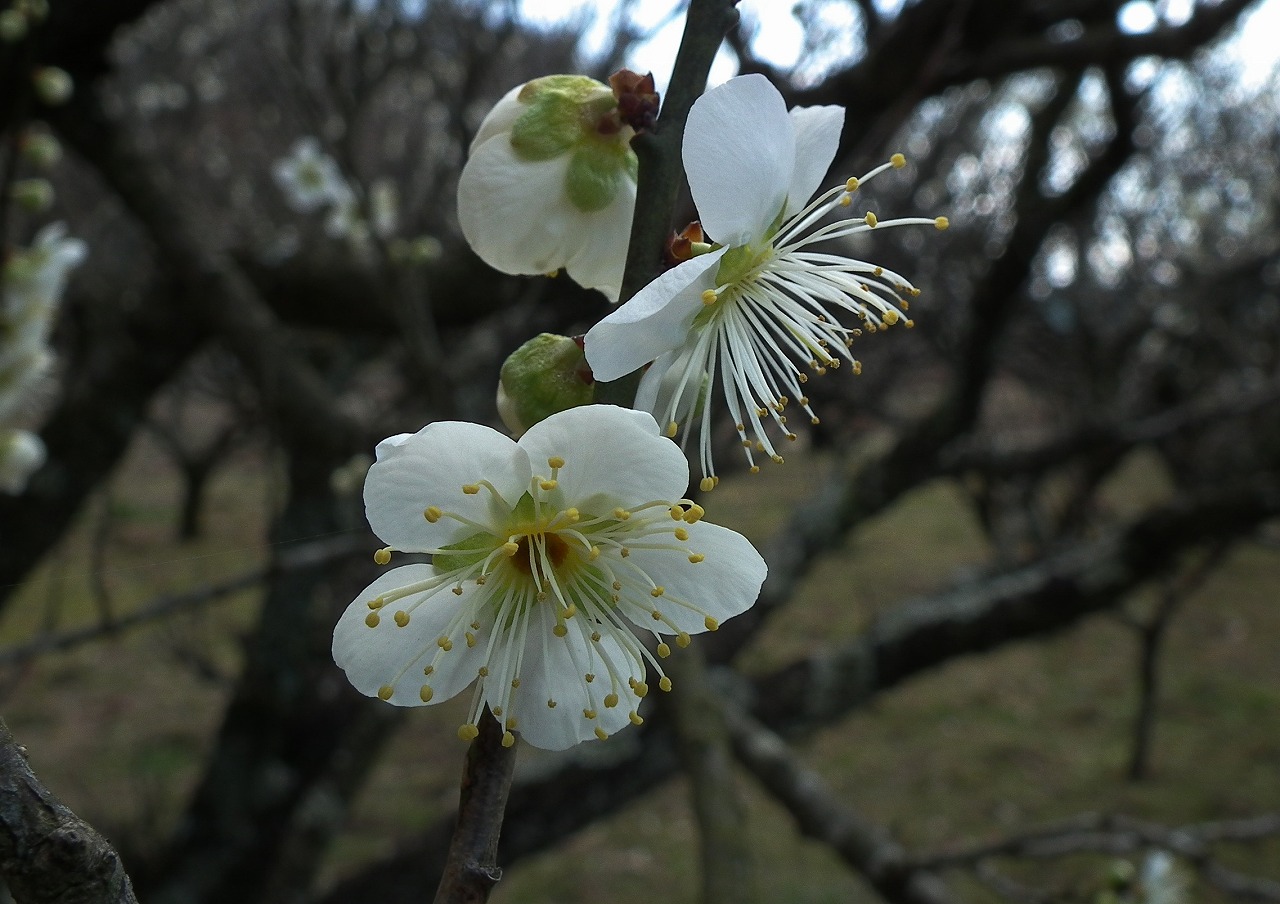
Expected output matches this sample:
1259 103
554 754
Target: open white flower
759 300
546 553
310 178
550 183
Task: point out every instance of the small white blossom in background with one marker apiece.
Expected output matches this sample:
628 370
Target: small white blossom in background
33 280
547 555
384 208
744 311
310 179
1160 880
54 86
550 183
21 455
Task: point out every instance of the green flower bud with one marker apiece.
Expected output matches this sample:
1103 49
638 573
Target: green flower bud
547 374
13 26
33 195
53 86
41 150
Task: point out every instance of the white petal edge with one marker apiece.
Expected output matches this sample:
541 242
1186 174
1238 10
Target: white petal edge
817 140
739 154
429 468
725 583
395 656
501 119
613 457
656 320
601 257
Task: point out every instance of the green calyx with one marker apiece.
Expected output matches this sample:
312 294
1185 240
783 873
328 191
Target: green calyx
547 374
573 114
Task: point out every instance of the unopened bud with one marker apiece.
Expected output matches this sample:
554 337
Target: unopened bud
547 374
13 26
33 195
41 150
53 86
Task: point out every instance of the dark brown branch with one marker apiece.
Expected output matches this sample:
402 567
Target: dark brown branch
48 855
866 847
471 870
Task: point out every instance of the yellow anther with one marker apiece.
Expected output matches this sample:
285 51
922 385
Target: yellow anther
676 513
475 626
711 623
664 684
457 591
621 514
432 513
590 677
696 557
657 616
510 724
428 669
559 630
595 636
555 461
707 484
425 693
871 219
573 515
624 552
610 701
909 324
942 222
508 739
601 733
709 296
471 640
814 420
551 704
755 469
695 513
663 650
845 201
777 459
617 585
402 618
483 671
594 554
672 429
377 603
857 368
683 639
635 718
471 488
515 682
385 692
791 437
548 484
570 611
372 619
657 591
445 644
851 184
640 688
890 317
914 292
588 714
382 556
468 732
681 534
898 161
511 547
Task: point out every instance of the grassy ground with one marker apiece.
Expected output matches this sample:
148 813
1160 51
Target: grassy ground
1033 732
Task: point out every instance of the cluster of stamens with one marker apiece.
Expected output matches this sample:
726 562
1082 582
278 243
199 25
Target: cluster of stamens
760 322
579 566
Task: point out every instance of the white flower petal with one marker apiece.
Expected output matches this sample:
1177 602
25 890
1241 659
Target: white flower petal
555 668
501 118
430 468
602 254
817 140
394 656
739 153
724 584
613 456
655 321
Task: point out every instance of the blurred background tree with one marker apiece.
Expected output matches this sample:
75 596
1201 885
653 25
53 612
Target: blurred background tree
1081 432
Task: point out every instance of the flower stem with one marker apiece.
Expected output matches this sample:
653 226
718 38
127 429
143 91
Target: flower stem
472 870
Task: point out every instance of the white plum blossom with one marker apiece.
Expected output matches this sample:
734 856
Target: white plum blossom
21 455
548 555
755 307
311 179
550 183
32 283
